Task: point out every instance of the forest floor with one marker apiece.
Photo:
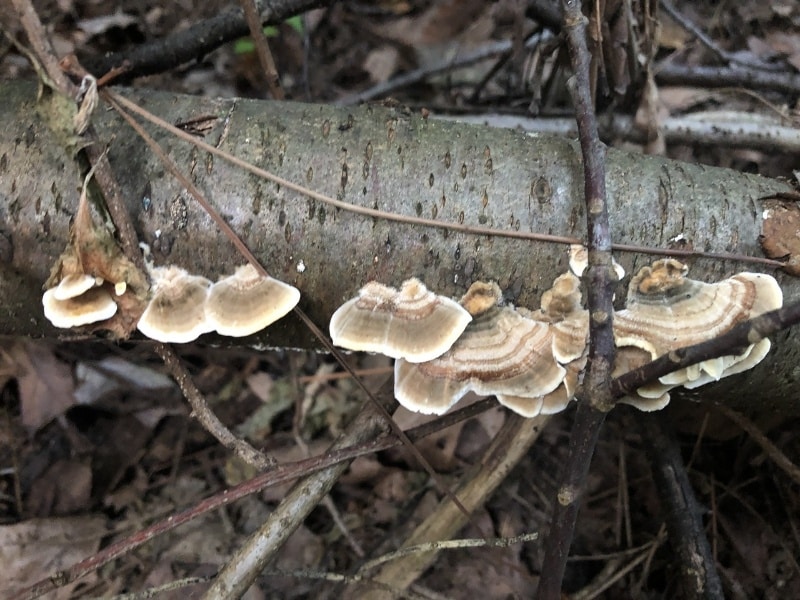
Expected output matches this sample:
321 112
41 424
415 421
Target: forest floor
123 450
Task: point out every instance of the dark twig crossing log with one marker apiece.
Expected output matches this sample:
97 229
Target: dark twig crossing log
594 397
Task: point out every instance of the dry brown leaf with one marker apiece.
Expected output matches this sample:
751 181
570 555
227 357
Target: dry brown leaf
442 22
381 63
64 488
779 227
37 548
777 44
45 383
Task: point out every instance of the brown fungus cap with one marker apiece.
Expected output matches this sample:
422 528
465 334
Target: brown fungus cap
500 352
176 312
480 297
246 302
549 404
563 299
411 323
644 403
562 306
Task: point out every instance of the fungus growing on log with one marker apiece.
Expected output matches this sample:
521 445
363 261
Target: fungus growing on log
91 306
74 285
411 323
551 403
665 311
92 257
501 352
562 308
246 302
176 312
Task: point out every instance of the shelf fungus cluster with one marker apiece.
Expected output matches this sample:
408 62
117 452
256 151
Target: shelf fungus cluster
532 360
78 299
665 310
485 347
184 306
92 283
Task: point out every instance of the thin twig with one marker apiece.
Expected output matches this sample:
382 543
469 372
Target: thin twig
785 82
582 442
447 545
770 449
206 416
196 41
262 48
600 279
42 48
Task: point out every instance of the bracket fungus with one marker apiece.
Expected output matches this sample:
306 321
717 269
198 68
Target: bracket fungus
91 306
654 396
501 352
78 300
74 285
579 261
562 306
411 323
176 312
665 310
548 404
78 277
246 302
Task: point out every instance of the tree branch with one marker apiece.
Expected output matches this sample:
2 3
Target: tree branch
594 396
196 41
452 173
695 564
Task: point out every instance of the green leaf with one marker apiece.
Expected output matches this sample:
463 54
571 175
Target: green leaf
246 45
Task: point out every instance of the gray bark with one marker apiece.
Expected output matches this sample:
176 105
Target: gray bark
376 157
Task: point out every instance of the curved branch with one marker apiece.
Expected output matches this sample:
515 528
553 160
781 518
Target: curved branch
194 42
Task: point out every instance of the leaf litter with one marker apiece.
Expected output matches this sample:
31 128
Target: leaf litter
95 441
